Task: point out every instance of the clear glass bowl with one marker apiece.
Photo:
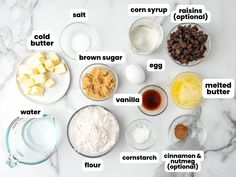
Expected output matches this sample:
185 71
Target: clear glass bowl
88 69
153 26
171 94
23 143
82 153
196 132
164 100
131 128
71 31
208 44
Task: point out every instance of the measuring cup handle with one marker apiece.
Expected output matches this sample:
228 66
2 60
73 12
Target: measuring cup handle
12 161
160 19
197 112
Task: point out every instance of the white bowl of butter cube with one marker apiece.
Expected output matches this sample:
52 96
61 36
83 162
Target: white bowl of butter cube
43 77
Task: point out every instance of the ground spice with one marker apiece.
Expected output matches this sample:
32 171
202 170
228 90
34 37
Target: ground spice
181 131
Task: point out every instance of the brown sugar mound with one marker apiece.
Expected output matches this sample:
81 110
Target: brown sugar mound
98 83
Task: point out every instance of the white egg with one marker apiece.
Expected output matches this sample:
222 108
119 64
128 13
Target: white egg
135 74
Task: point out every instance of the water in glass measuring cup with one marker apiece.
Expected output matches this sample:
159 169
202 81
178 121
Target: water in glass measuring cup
31 141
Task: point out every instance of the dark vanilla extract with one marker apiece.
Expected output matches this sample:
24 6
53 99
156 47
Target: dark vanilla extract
151 99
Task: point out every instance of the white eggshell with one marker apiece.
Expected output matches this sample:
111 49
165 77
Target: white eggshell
135 74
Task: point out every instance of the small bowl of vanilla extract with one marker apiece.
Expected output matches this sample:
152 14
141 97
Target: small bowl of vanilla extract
154 100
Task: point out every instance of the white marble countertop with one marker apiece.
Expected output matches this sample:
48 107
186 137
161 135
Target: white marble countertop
110 19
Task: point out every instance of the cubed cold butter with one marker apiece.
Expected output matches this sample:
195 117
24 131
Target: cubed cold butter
26 69
41 69
39 78
37 90
49 83
49 65
27 90
37 58
61 68
28 82
22 77
53 56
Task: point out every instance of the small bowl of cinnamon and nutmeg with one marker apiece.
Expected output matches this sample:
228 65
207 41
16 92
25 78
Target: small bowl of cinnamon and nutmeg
187 132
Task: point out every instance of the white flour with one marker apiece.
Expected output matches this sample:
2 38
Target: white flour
93 131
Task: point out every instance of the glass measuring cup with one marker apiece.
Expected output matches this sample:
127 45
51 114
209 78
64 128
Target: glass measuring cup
145 35
31 141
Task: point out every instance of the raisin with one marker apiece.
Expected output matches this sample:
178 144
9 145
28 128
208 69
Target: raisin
187 44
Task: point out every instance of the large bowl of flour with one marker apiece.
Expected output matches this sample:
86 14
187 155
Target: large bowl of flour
93 131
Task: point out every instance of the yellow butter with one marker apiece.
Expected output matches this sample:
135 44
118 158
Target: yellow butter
186 90
54 57
28 82
37 58
39 78
49 65
41 69
27 90
37 90
22 77
49 83
60 69
26 69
